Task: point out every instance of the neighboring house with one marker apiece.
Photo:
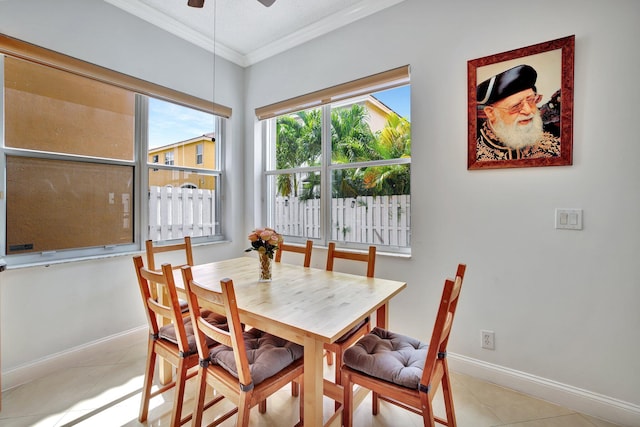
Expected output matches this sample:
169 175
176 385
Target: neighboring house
198 152
377 110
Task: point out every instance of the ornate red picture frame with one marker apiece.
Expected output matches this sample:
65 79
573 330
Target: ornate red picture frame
520 107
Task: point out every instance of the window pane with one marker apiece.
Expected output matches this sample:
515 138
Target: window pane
182 204
176 132
54 205
372 205
296 207
298 140
51 110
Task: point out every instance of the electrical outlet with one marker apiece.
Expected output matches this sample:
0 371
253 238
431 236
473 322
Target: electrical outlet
488 340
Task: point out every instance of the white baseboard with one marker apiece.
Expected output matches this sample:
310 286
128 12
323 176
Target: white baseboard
69 358
579 400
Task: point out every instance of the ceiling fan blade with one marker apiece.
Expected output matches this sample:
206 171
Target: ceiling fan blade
267 2
196 3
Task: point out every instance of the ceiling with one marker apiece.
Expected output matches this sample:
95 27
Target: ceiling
248 32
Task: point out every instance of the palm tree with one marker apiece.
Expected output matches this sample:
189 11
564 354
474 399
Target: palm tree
351 136
351 141
298 144
394 142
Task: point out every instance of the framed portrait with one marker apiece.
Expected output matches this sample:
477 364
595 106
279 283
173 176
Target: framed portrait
520 107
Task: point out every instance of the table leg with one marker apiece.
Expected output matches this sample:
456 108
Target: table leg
313 382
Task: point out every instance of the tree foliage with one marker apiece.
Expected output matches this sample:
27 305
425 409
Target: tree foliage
352 140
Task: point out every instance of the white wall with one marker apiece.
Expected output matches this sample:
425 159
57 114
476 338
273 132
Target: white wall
563 304
46 311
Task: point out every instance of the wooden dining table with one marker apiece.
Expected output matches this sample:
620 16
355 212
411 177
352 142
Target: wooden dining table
308 306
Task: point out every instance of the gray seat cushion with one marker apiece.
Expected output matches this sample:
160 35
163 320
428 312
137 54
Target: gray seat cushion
184 305
168 332
267 354
395 358
352 331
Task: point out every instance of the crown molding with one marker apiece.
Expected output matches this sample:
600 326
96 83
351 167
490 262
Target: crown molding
332 22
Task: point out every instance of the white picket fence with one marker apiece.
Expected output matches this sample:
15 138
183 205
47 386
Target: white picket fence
179 212
381 220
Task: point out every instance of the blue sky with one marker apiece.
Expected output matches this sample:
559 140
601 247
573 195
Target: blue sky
398 99
169 123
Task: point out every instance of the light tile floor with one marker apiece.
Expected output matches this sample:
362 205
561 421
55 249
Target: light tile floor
104 390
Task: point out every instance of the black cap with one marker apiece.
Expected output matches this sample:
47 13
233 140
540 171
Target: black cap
505 84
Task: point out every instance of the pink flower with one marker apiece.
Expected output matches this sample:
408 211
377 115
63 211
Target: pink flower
265 240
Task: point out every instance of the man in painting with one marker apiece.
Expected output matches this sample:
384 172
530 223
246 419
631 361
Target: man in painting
513 127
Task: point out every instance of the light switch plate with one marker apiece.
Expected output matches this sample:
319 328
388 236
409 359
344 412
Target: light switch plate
569 219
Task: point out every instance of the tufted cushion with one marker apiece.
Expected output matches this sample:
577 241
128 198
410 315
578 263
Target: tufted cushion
168 332
392 357
267 354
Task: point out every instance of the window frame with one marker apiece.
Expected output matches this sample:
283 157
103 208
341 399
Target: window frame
10 47
324 100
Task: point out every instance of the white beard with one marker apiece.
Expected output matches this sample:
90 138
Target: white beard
517 136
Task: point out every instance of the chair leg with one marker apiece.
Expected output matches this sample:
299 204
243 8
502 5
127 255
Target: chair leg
262 406
427 414
347 400
202 389
448 397
329 357
338 373
375 403
301 400
178 398
295 388
243 410
148 381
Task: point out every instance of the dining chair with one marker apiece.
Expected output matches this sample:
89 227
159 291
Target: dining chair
305 250
247 366
175 342
361 329
402 370
184 247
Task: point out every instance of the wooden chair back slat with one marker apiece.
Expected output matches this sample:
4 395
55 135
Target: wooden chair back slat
305 250
153 250
369 257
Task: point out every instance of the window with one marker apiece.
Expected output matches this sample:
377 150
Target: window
168 158
341 171
199 154
77 140
183 195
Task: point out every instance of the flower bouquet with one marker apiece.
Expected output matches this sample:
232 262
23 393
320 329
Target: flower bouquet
265 241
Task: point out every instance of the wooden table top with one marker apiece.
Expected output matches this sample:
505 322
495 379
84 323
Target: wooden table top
299 302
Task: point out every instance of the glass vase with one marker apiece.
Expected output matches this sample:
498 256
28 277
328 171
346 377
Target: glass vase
265 267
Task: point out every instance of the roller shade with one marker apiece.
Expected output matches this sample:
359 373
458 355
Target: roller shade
374 83
20 49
